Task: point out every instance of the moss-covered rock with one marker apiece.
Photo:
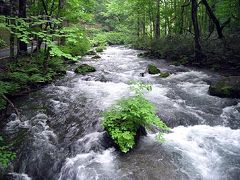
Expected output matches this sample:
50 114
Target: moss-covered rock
152 69
227 87
164 74
84 69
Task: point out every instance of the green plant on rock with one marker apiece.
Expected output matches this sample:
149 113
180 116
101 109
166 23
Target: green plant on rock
152 69
84 69
123 120
5 154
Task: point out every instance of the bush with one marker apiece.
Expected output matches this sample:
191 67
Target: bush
100 49
2 43
125 118
78 46
5 154
111 38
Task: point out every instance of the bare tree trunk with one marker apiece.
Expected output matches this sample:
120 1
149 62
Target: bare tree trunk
22 14
12 38
198 48
157 30
214 19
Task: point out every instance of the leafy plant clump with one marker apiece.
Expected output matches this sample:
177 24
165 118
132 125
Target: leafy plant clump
5 154
152 69
124 119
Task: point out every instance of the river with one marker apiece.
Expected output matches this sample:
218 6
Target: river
63 137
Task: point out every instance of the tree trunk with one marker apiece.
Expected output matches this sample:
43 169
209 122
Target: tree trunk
12 39
157 30
22 14
198 48
214 19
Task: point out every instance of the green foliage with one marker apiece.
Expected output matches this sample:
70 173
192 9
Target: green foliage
5 154
2 43
100 48
164 74
111 38
24 74
77 44
124 119
152 69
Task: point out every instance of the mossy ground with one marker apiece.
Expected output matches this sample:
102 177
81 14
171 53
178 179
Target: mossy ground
26 74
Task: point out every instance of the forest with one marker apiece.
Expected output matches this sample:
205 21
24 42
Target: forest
119 89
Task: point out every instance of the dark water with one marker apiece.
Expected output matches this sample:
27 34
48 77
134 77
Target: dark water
64 135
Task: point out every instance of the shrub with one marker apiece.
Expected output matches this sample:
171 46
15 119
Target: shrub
2 43
5 154
100 48
123 120
152 69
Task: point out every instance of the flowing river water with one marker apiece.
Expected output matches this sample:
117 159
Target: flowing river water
64 138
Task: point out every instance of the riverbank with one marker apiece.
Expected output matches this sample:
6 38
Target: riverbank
221 56
24 75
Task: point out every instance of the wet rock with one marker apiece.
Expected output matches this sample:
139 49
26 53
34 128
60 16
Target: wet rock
142 74
84 69
91 52
227 87
150 54
96 57
152 69
107 141
164 74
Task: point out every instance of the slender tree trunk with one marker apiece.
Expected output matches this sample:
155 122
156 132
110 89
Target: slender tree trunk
214 19
22 14
198 48
12 39
157 31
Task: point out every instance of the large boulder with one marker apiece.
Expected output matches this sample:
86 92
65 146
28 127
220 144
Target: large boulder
152 69
227 87
84 69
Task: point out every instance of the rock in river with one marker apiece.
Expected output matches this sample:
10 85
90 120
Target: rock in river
84 69
228 87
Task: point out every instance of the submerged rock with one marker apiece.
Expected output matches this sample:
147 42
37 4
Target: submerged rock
91 52
96 57
84 69
164 74
152 69
227 87
107 141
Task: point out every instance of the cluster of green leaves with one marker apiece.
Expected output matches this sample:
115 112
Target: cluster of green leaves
2 43
123 120
77 43
110 38
5 154
28 29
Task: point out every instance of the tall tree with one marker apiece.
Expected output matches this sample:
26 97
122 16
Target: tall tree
22 14
198 48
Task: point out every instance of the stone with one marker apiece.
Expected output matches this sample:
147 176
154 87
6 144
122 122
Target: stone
84 69
228 87
152 69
